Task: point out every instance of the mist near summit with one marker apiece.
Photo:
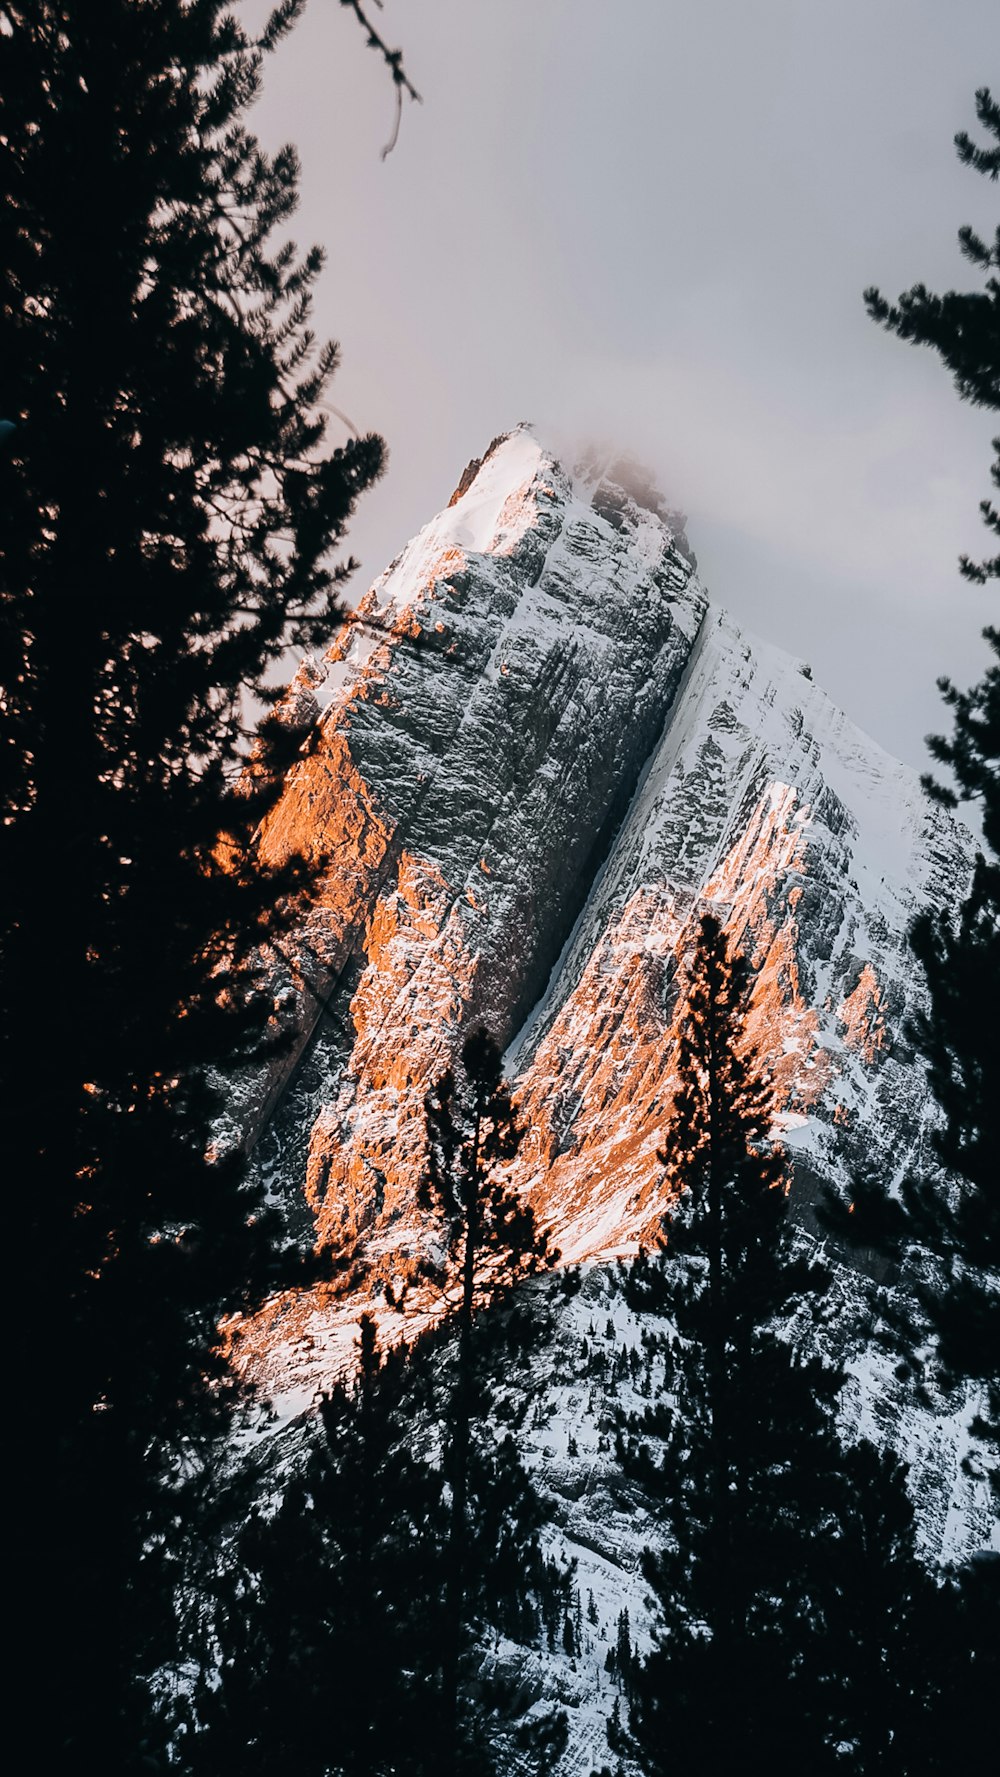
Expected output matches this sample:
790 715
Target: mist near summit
666 251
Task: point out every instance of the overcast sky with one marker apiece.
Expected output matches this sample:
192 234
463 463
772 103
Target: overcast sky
649 222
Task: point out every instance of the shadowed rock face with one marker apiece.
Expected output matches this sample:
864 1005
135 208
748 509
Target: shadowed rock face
528 764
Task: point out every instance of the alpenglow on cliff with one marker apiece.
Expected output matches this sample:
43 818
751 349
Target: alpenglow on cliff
535 756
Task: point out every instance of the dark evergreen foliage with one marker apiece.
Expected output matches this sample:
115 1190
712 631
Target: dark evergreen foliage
963 327
490 1243
768 1654
960 952
329 1615
330 1621
169 503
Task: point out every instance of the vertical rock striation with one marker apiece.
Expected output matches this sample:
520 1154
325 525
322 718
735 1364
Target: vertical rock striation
528 762
489 713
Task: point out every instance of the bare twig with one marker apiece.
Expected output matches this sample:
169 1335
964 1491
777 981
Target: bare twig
393 59
324 407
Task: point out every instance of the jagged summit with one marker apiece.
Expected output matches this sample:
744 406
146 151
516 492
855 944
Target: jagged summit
499 498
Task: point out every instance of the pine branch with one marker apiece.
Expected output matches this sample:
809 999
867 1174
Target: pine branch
985 160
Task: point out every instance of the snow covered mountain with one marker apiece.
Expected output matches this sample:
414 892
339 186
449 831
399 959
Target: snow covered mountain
529 762
537 753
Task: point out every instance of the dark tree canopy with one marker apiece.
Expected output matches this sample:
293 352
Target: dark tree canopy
488 1230
960 951
170 503
328 1612
770 1652
490 1243
963 327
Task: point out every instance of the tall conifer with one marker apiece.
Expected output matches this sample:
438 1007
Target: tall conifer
741 1452
960 951
169 503
490 1243
329 1611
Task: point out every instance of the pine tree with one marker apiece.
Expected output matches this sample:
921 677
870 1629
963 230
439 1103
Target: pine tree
337 1616
328 1617
169 506
741 1451
490 1243
882 1700
960 953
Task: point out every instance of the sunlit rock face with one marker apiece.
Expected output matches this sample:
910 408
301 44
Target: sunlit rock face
762 801
538 754
487 722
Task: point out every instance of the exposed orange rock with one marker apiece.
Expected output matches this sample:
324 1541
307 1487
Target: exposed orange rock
598 1089
758 880
598 1093
445 897
862 1014
366 1151
328 814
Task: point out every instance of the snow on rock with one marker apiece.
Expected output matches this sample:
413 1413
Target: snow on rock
529 762
763 802
487 742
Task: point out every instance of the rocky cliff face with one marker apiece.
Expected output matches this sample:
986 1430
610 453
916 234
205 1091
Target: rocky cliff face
526 767
536 755
530 762
487 719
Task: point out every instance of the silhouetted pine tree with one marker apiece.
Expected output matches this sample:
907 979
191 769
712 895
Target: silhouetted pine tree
169 504
762 1510
333 1631
490 1243
329 1617
960 953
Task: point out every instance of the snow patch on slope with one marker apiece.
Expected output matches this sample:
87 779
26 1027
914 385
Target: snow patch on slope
488 519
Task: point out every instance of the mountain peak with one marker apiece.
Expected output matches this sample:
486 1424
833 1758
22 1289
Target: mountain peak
534 756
